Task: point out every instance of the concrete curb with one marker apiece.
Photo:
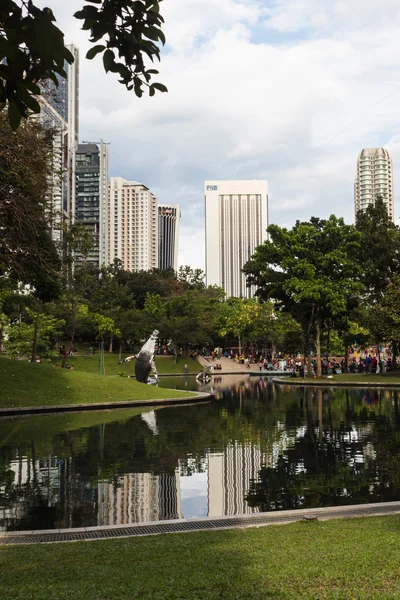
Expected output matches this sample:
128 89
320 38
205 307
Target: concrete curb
333 383
282 517
33 410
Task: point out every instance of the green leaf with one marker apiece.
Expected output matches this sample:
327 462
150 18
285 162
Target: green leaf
14 115
32 87
138 88
27 99
155 34
160 87
69 57
95 50
155 8
108 60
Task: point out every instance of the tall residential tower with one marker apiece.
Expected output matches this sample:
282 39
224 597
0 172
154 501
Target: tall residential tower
374 178
236 222
132 225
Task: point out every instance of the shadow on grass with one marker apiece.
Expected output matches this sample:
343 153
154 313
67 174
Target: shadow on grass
355 558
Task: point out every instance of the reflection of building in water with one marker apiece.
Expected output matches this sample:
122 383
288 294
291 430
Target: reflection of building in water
229 478
46 483
139 498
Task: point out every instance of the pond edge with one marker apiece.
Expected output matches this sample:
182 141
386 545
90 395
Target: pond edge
32 410
299 382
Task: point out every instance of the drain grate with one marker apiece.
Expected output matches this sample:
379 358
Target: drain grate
269 518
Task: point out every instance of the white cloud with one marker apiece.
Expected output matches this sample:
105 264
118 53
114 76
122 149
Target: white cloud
289 90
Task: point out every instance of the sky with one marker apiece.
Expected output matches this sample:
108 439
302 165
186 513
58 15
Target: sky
284 90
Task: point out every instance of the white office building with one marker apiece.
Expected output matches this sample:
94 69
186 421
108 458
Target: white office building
139 498
236 223
132 223
168 234
374 178
230 475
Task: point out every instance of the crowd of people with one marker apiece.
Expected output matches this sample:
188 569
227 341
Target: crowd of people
369 362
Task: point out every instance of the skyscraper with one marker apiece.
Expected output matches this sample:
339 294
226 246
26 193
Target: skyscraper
374 178
92 196
236 222
60 111
132 225
168 234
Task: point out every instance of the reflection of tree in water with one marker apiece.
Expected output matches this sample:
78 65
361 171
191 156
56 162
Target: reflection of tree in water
320 448
334 464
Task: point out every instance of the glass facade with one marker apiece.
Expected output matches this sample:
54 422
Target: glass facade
57 96
88 194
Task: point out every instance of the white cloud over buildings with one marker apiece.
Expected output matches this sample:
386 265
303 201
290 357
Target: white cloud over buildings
284 90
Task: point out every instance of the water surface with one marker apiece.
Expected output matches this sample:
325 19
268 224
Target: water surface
255 447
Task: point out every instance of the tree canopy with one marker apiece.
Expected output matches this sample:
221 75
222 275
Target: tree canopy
27 252
311 271
32 48
380 247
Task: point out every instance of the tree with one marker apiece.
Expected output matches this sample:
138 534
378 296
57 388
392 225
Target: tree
38 333
380 247
27 252
275 330
163 282
32 48
105 328
311 271
191 278
190 318
383 317
238 316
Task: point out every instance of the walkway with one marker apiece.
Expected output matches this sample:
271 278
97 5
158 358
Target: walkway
231 367
186 525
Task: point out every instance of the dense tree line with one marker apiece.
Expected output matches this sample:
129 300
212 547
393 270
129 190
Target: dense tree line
337 281
321 286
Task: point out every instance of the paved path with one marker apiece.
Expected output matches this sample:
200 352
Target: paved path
232 367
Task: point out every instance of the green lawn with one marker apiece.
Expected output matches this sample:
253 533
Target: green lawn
343 559
26 384
388 378
165 364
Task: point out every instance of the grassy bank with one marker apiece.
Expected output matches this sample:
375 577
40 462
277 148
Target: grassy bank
356 558
361 378
26 384
165 364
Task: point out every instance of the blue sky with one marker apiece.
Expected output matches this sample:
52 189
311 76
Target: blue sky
287 90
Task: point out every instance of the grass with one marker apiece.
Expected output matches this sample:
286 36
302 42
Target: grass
165 364
387 378
344 559
26 384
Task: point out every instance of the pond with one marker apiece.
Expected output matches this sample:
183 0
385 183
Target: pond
255 447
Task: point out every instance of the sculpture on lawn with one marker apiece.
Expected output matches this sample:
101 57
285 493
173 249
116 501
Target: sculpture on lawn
145 361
